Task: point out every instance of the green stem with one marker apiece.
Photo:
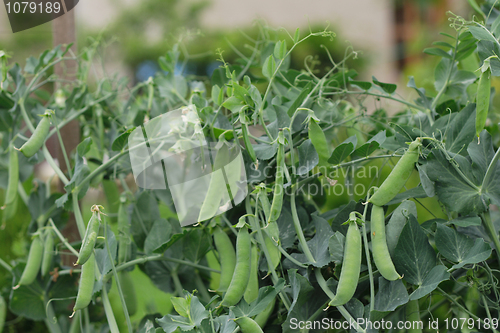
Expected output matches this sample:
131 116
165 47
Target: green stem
117 280
448 75
487 309
201 287
177 283
61 237
61 143
490 229
78 215
414 106
329 293
5 265
51 320
113 326
368 261
298 228
491 169
53 165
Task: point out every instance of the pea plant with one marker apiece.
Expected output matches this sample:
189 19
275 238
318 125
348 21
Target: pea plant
365 211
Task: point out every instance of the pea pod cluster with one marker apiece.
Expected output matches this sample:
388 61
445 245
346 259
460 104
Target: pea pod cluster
398 177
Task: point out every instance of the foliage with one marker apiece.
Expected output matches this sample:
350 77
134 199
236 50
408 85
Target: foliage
331 144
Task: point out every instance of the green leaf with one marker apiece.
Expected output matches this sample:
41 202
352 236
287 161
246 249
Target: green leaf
300 99
102 257
371 145
460 131
342 151
144 215
158 237
233 104
255 96
122 140
454 189
181 306
416 192
389 88
265 151
365 85
451 244
266 295
480 33
414 257
318 244
437 275
217 95
423 99
308 158
27 301
269 67
443 44
390 295
487 49
397 222
483 100
280 49
296 36
170 323
480 251
336 247
437 52
427 184
196 245
466 221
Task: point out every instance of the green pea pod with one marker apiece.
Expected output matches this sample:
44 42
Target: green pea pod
351 265
38 137
33 264
398 177
3 313
252 290
248 325
10 203
380 251
227 258
87 279
248 144
273 250
483 100
128 289
48 252
278 184
318 139
241 274
124 233
262 318
413 316
89 239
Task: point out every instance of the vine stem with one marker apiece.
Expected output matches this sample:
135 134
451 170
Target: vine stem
490 170
117 280
329 293
5 265
61 237
51 319
490 229
113 326
298 228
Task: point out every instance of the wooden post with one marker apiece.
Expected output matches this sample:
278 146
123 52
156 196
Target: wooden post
64 32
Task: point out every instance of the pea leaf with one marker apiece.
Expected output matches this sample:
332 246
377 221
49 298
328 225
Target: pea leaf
27 301
196 245
483 100
437 52
391 294
122 140
465 221
389 88
300 98
416 192
480 33
397 222
371 145
144 215
158 237
365 85
269 67
319 243
480 251
266 295
427 184
437 275
414 257
336 247
308 158
342 151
